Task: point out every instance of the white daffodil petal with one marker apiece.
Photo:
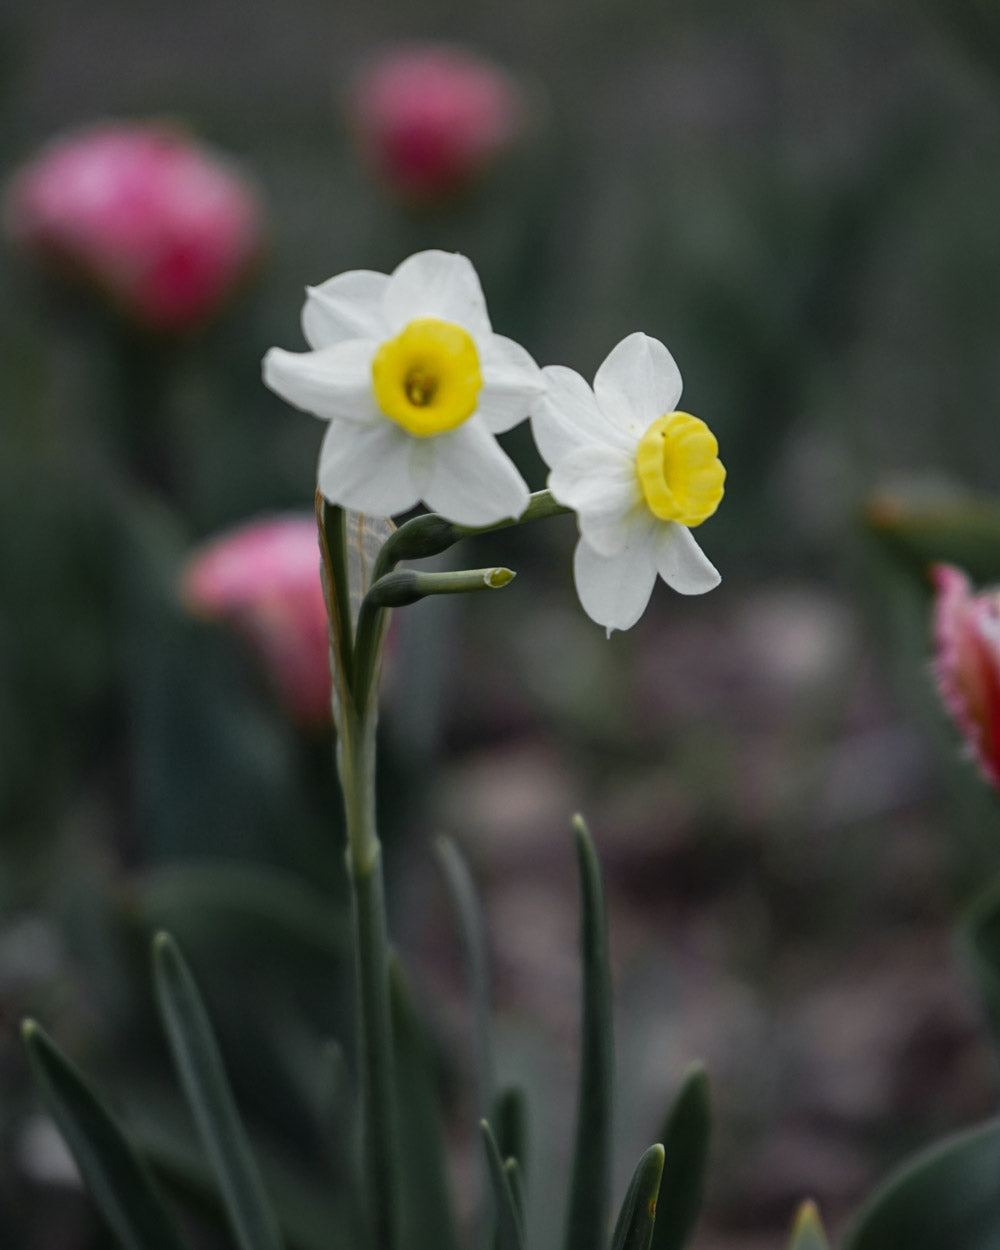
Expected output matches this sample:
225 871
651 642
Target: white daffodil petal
332 382
681 562
367 468
472 480
567 417
348 306
638 382
602 489
512 383
614 590
436 284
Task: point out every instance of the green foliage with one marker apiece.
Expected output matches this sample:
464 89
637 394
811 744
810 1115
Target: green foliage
685 1139
807 1231
634 1228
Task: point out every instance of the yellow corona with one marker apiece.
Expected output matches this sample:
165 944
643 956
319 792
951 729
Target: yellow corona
679 469
427 378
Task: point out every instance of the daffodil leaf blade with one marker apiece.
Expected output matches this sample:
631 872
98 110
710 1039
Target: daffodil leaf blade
685 1138
590 1178
111 1168
945 1196
637 1216
200 1068
510 1228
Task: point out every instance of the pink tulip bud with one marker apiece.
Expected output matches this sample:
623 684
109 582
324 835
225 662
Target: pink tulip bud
967 663
263 579
162 226
431 118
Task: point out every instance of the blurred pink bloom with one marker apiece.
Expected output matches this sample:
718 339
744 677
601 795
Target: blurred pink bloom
166 228
967 663
263 579
431 117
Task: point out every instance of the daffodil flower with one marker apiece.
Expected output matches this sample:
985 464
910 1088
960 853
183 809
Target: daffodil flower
406 369
638 473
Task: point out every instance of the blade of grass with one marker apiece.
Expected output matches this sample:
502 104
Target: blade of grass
634 1228
111 1168
199 1065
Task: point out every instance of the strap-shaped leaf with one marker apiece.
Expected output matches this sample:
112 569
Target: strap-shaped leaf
426 1204
637 1217
807 1231
590 1179
510 1228
685 1139
112 1170
510 1116
199 1065
948 1196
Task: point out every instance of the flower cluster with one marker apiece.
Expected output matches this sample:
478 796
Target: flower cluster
414 384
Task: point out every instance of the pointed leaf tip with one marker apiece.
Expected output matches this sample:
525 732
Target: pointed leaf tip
807 1231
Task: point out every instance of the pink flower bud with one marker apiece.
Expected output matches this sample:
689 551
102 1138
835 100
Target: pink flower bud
263 579
967 663
162 226
431 118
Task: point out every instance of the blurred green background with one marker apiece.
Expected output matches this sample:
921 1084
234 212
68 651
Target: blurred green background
801 201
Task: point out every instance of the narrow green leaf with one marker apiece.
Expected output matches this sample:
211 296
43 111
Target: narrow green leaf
199 1065
590 1179
685 1139
925 523
946 1196
510 1231
807 1231
112 1170
472 936
510 1115
426 1204
515 1179
637 1217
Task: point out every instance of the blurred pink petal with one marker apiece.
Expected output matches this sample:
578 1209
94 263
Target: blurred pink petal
263 579
431 118
967 663
164 227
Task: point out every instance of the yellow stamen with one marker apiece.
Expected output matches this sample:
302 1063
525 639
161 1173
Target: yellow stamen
679 469
427 378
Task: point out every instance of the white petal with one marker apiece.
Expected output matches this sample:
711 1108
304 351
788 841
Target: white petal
600 486
567 417
681 562
512 382
436 284
348 306
614 590
367 468
638 382
332 382
472 480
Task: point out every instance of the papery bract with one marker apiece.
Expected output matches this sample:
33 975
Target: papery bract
414 384
967 663
263 579
161 225
431 118
637 473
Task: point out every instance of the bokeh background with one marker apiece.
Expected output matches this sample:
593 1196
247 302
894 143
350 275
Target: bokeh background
800 200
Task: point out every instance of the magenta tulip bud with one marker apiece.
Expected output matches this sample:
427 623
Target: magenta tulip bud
162 226
263 580
432 118
967 663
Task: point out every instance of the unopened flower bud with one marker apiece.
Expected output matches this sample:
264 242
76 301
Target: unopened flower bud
432 118
263 580
967 663
161 226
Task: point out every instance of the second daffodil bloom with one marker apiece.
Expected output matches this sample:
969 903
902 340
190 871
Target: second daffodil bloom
639 475
406 369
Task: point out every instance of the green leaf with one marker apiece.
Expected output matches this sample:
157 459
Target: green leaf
590 1178
932 522
947 1196
111 1168
510 1115
427 1215
807 1231
685 1139
980 940
199 1064
510 1229
636 1219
